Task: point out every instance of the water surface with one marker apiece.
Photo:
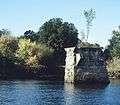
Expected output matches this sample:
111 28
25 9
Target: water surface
57 93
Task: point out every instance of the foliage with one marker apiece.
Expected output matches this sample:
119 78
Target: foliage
58 34
113 67
29 53
113 52
25 51
8 46
88 45
29 35
114 46
89 15
5 32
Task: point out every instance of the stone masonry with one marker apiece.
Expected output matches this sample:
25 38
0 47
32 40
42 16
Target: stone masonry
85 65
70 65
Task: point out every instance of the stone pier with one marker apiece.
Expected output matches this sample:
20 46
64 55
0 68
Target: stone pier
85 65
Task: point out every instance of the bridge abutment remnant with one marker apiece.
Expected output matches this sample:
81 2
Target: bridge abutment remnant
85 65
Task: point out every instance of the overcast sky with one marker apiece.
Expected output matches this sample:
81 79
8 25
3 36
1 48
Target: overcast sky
21 15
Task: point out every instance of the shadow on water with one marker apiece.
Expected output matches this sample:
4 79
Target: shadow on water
91 86
85 86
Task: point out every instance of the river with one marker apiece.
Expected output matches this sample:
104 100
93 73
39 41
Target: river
31 92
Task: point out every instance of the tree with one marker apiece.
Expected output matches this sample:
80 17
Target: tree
58 34
29 35
114 46
5 32
113 54
29 53
8 46
89 15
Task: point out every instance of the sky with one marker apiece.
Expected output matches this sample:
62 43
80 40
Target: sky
21 15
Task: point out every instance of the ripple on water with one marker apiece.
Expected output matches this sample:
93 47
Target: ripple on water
57 93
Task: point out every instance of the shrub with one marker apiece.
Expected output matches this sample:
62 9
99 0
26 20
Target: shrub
30 53
113 67
8 46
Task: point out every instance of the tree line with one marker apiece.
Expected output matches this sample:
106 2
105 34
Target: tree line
45 48
35 50
113 54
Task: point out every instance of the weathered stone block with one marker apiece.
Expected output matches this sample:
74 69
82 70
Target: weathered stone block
85 65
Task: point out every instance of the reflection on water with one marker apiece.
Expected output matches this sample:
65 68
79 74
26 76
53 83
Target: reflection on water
85 94
58 93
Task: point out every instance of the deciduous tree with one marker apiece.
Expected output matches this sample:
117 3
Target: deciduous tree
89 16
58 34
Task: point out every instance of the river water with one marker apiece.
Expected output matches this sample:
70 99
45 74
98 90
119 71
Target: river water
57 93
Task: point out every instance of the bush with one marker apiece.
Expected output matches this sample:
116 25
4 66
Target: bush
30 53
88 45
113 67
8 46
114 46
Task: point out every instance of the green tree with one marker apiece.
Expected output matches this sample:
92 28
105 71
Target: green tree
58 34
89 15
113 53
8 46
5 32
29 35
29 53
114 46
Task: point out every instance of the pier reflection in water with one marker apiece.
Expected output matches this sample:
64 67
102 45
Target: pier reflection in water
58 93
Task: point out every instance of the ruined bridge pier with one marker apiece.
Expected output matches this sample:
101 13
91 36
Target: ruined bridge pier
85 65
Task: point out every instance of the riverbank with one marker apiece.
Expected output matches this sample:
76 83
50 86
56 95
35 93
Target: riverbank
17 72
9 72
